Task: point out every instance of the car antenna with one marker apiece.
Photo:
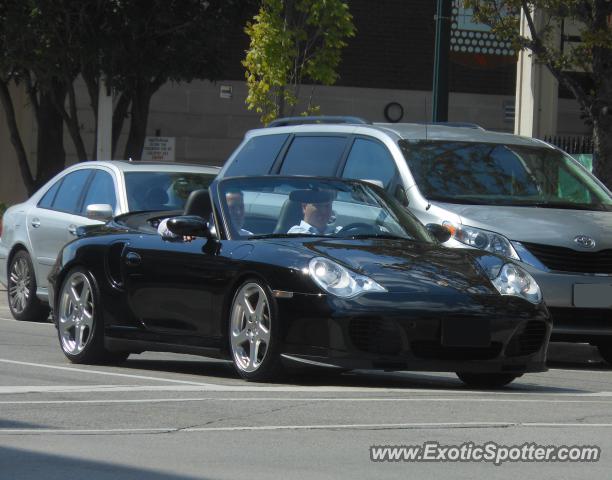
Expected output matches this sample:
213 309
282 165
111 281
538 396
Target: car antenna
428 202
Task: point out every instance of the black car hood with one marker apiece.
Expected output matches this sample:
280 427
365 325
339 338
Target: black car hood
403 265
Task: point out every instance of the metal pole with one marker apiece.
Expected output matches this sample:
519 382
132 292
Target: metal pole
440 73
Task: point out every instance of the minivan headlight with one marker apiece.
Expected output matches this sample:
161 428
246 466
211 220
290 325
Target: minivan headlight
484 240
513 280
340 281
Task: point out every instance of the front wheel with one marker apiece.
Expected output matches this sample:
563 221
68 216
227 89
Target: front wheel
80 325
254 333
486 380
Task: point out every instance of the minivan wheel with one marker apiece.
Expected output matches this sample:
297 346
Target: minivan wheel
21 291
254 332
486 380
80 325
605 350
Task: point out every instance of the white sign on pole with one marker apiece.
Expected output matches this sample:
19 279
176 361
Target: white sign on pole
158 149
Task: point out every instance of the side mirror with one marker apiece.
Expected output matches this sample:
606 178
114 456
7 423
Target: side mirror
189 226
440 233
99 211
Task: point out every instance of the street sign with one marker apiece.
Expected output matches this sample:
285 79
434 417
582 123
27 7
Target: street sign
158 149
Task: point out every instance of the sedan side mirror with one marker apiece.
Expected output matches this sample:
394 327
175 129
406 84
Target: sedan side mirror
440 233
99 211
189 226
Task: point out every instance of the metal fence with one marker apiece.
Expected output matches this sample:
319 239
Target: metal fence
572 144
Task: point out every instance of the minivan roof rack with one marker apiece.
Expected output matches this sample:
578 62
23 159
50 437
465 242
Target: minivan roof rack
283 122
455 124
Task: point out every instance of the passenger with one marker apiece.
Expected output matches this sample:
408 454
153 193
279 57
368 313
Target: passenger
235 207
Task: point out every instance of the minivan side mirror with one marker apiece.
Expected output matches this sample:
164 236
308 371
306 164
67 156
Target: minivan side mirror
99 211
440 233
189 226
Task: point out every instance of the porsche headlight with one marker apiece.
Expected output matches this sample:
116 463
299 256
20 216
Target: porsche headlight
340 281
483 240
513 280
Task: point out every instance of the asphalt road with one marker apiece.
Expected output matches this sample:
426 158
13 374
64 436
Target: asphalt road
181 417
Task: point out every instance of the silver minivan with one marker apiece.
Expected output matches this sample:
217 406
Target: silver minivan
518 197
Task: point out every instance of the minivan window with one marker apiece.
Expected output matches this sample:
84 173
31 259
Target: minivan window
69 194
499 174
370 160
257 156
101 190
313 155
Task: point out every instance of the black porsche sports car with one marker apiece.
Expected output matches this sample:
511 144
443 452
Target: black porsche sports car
268 271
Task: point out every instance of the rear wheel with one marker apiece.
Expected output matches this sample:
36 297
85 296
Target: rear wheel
80 326
253 333
486 380
22 299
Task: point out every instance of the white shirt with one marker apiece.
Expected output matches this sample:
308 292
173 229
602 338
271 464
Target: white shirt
305 227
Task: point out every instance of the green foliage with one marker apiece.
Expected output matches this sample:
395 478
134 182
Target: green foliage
588 16
292 42
3 208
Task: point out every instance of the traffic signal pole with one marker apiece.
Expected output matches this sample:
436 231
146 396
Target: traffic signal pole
441 60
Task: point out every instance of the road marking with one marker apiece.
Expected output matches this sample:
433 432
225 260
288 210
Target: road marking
8 319
295 399
356 426
101 372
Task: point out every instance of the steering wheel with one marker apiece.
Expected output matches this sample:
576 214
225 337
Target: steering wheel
358 228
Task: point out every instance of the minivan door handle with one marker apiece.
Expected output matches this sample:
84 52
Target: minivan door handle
72 229
35 222
132 259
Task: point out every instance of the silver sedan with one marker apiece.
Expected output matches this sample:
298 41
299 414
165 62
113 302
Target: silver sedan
85 194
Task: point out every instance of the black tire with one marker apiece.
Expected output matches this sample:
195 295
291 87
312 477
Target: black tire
21 290
81 312
251 363
486 380
605 350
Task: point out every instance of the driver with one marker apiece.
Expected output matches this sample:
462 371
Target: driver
316 210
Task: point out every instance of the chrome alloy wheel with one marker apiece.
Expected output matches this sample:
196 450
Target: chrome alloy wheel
20 280
250 327
76 313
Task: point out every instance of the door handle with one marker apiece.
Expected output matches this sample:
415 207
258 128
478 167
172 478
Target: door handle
35 222
132 259
72 229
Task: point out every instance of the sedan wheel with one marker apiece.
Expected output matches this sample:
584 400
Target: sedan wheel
252 333
79 324
22 300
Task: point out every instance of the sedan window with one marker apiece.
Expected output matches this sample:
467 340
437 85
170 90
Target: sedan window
47 200
69 194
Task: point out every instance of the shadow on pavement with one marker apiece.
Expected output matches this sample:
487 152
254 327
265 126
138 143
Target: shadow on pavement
24 464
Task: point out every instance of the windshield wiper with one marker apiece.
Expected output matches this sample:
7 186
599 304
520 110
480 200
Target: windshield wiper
362 236
287 235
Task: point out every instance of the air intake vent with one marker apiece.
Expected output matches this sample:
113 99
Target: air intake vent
376 335
527 340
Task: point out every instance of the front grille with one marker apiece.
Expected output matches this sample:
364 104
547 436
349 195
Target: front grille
435 350
375 335
527 340
568 260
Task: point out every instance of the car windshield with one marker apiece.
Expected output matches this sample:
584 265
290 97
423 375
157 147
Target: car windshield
498 174
162 190
301 206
